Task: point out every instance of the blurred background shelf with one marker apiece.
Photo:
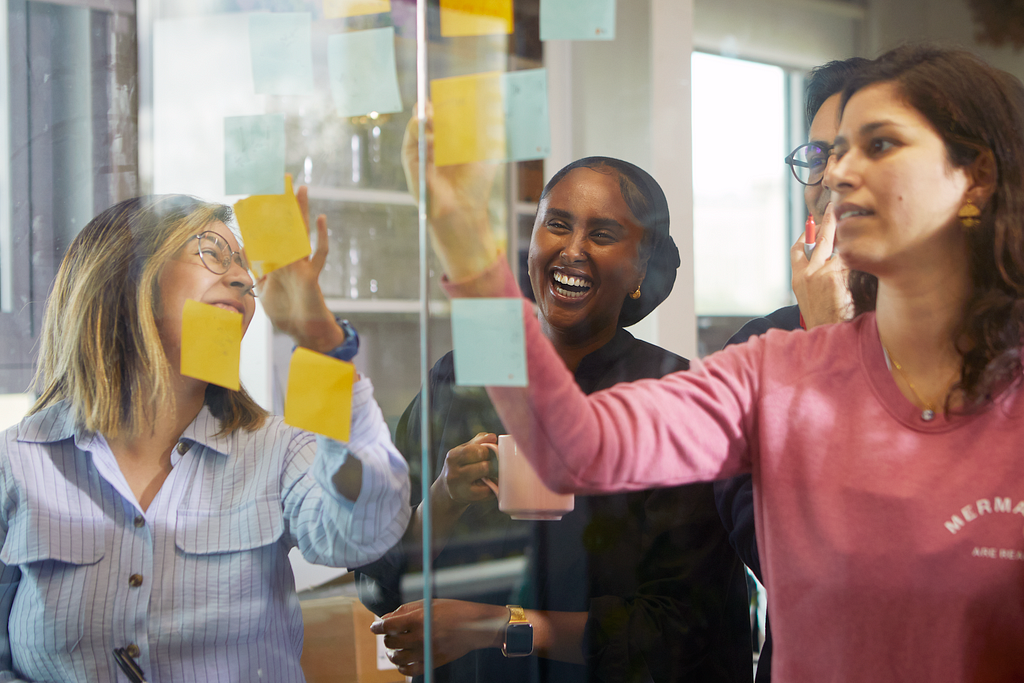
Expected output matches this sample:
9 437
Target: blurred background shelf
362 195
341 306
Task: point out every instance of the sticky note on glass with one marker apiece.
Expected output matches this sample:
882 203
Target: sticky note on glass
577 19
527 124
319 397
281 48
475 17
469 118
254 154
334 9
272 229
362 70
211 344
489 343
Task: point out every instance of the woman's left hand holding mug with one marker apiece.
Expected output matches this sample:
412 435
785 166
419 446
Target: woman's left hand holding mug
465 468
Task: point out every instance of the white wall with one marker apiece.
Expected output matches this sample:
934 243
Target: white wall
949 21
792 33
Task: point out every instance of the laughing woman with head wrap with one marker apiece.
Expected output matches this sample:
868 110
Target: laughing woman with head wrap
631 587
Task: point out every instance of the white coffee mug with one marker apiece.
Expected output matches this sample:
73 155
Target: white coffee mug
521 493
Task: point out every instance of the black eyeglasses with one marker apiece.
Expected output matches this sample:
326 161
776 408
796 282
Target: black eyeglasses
808 162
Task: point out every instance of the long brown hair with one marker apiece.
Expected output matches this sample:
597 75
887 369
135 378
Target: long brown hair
100 348
977 110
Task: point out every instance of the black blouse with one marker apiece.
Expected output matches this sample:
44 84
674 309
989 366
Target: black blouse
665 593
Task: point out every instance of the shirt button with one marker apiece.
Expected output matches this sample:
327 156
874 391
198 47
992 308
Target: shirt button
135 580
183 447
133 650
140 521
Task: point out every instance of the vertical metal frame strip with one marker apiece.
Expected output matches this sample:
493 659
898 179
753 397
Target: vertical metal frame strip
6 228
425 440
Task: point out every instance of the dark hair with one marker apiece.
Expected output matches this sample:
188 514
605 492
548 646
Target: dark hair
976 109
827 80
646 201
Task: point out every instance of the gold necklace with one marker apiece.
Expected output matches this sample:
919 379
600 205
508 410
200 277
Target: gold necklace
929 406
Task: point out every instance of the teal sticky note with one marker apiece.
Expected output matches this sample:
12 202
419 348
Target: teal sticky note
527 125
362 70
577 19
254 154
281 46
489 344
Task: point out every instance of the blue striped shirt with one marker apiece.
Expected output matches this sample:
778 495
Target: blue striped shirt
199 585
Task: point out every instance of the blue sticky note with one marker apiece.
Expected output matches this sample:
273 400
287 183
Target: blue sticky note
577 19
281 45
489 344
527 125
254 154
362 70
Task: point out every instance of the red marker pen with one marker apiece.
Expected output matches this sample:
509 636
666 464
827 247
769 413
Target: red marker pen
810 234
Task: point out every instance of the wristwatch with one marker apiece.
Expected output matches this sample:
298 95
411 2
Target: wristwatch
518 633
347 349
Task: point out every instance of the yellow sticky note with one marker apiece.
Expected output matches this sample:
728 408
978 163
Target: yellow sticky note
211 344
352 8
319 395
475 17
469 118
272 229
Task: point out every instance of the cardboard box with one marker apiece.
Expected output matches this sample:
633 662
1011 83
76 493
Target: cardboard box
338 646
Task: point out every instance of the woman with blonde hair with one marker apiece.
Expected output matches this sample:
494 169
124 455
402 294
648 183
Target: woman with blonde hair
146 516
885 452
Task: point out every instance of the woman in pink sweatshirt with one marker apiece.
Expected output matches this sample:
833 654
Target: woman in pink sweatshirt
885 452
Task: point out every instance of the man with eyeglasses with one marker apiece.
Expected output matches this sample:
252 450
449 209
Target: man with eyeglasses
819 282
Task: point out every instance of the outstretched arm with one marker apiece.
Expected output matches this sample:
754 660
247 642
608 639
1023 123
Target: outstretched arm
457 198
292 299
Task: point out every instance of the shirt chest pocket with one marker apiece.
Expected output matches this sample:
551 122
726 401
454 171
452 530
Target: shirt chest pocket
231 564
61 574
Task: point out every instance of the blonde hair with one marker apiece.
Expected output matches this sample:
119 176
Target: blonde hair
100 348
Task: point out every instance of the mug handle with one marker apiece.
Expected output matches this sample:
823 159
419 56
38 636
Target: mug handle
487 480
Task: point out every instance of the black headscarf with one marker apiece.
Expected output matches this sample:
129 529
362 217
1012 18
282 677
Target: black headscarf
647 202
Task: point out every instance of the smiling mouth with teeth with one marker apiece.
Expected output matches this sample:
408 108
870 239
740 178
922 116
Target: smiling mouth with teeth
571 287
847 214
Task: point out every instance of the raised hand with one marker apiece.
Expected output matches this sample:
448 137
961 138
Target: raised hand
291 295
457 199
820 282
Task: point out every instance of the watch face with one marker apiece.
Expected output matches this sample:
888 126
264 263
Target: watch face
518 640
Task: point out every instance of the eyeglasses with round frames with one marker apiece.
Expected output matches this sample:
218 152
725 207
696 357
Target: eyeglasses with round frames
808 162
217 255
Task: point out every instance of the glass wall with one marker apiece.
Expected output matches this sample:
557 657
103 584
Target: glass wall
110 99
221 98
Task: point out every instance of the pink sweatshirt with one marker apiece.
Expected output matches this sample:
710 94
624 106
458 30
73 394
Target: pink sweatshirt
892 547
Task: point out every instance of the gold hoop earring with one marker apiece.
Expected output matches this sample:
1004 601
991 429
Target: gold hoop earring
968 215
636 294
